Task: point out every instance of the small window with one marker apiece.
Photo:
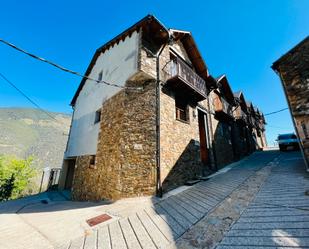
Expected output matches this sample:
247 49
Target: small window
100 76
92 161
97 117
182 109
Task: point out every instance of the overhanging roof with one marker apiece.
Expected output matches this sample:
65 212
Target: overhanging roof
150 21
276 64
241 97
192 50
224 86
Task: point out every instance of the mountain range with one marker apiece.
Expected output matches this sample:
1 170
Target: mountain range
31 132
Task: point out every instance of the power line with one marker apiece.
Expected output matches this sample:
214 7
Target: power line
28 98
58 66
281 110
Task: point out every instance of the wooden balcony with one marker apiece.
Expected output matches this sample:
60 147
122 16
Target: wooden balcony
222 107
181 77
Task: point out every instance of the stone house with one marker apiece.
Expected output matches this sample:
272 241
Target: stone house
259 128
256 124
154 129
223 102
293 70
242 133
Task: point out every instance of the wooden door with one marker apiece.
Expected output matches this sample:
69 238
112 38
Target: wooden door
203 137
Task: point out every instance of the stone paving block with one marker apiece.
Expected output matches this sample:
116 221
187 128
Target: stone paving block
182 210
116 236
188 206
267 241
273 225
270 219
168 231
103 238
91 241
129 235
156 235
141 233
77 243
268 232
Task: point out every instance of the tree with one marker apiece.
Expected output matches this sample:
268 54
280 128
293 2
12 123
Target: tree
15 176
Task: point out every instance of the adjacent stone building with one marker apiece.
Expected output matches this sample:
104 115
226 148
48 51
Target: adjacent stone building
145 118
293 70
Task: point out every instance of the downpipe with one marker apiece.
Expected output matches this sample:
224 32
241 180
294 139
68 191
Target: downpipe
158 153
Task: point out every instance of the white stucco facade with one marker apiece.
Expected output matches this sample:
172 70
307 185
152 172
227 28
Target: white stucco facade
117 65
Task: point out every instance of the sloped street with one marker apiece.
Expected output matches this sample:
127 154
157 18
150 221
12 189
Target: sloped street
279 215
259 202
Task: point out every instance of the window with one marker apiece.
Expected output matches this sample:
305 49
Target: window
182 109
97 117
100 76
92 162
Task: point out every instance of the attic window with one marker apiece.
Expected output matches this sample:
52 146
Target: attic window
97 117
100 76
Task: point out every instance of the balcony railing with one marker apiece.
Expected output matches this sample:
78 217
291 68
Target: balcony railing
177 69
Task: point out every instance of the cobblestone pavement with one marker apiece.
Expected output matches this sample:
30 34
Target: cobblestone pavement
157 225
279 215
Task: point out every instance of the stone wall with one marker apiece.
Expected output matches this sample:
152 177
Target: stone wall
180 150
222 137
125 160
223 142
239 138
84 178
294 71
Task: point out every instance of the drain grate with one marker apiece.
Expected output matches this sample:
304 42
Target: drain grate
98 219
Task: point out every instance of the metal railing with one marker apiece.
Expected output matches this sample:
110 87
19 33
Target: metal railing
177 68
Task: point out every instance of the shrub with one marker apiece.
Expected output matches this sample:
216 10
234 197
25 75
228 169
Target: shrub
15 176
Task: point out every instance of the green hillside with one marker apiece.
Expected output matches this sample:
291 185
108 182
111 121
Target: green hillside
25 132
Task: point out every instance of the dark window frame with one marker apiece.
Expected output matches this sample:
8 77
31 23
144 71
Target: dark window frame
182 110
92 161
100 76
97 117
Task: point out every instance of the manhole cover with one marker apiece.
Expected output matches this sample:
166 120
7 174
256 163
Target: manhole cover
98 219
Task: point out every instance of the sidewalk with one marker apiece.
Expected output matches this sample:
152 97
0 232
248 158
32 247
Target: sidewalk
135 223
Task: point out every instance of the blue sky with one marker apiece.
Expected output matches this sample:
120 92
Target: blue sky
240 38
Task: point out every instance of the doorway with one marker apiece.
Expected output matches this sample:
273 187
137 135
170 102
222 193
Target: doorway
70 173
204 148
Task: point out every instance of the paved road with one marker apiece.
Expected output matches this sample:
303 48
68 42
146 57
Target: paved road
279 215
159 224
163 224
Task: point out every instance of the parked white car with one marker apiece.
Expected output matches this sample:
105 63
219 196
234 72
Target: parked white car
288 142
